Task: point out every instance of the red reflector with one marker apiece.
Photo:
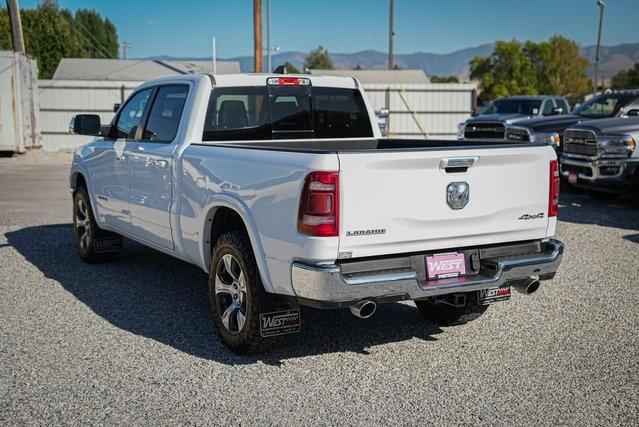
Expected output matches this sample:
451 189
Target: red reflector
319 205
553 202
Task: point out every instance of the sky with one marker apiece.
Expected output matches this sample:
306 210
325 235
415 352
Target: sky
185 28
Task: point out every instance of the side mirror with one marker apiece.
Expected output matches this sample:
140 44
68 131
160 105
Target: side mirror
116 107
633 113
383 113
85 124
557 111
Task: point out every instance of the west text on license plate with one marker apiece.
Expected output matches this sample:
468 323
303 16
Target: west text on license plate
444 266
489 296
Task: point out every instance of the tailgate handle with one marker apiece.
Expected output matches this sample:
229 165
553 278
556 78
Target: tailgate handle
457 164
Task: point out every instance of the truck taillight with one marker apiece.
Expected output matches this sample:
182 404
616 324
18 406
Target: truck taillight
319 205
553 202
288 81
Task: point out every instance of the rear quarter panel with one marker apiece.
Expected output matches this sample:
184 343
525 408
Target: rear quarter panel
263 187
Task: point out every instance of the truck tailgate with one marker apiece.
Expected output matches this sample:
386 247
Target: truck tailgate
396 201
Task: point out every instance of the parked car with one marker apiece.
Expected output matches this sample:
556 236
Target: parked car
525 106
601 156
282 189
550 128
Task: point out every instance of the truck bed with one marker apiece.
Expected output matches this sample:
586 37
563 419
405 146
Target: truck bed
359 145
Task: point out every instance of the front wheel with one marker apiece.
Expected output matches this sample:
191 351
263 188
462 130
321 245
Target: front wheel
86 231
236 295
444 314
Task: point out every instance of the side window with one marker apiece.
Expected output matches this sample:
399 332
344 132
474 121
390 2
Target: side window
633 105
164 118
548 106
561 103
131 115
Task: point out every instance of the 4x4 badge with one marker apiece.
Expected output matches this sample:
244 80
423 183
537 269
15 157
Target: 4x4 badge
533 216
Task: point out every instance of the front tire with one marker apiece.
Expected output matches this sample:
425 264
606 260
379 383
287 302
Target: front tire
86 230
236 295
444 314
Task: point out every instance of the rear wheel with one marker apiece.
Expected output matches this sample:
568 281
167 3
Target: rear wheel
236 295
443 313
602 195
634 190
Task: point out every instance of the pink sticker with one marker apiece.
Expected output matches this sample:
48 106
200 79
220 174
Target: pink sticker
441 266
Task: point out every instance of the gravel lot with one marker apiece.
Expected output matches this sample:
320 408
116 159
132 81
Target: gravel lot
132 341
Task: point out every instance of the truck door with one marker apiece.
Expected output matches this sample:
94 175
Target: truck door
109 169
150 166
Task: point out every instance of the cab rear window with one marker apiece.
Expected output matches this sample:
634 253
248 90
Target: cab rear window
285 112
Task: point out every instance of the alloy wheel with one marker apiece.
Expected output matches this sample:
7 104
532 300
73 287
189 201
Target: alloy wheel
82 224
230 293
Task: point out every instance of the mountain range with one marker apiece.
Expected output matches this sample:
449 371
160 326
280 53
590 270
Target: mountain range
613 59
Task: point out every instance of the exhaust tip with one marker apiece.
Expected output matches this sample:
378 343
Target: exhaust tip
532 287
528 287
363 309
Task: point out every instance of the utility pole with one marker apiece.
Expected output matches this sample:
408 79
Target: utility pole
125 46
602 6
391 36
16 26
213 58
258 58
269 66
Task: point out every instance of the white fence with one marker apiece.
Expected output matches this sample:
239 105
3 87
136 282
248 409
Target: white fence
416 111
429 111
62 99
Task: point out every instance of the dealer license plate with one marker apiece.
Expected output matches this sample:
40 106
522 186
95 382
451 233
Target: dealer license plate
572 178
444 266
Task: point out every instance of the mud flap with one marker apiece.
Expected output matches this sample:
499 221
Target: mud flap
489 296
108 244
280 322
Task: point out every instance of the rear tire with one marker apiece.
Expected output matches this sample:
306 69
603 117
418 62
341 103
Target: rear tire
236 295
86 230
604 196
443 314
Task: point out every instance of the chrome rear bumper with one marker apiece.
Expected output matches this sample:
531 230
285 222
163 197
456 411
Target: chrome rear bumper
326 283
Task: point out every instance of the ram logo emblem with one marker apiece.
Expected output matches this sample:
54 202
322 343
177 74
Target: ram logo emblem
457 195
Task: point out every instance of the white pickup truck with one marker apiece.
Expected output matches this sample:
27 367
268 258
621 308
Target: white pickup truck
282 189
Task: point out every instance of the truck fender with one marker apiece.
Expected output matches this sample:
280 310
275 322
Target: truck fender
236 204
77 170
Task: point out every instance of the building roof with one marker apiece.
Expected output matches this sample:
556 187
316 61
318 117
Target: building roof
135 69
379 76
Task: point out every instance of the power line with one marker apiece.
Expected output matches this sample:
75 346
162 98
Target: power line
368 25
103 49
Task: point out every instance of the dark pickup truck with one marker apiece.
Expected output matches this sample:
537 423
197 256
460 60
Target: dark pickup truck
601 156
550 129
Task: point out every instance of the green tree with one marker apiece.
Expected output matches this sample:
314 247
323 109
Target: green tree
358 67
444 79
51 33
508 71
628 79
291 69
318 59
553 67
97 35
561 69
